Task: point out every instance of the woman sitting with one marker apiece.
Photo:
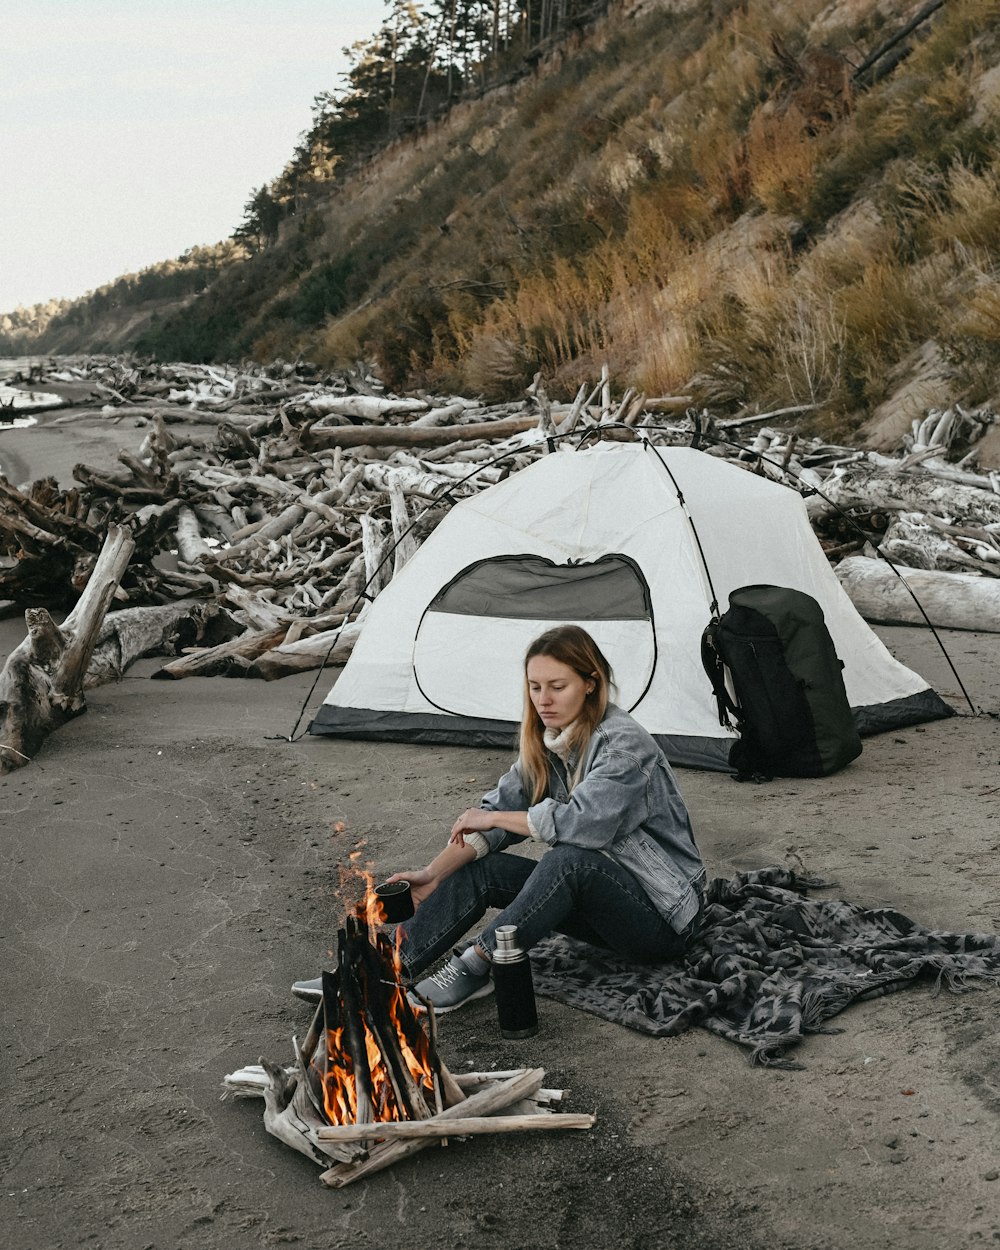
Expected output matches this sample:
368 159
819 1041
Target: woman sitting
621 868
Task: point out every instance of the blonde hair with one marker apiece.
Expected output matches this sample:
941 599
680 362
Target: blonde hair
574 647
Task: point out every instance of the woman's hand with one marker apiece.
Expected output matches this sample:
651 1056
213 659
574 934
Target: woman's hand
474 820
422 881
479 819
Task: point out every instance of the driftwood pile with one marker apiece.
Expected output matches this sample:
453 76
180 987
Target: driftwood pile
928 512
267 507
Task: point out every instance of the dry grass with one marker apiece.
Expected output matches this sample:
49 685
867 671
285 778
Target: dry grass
650 218
782 153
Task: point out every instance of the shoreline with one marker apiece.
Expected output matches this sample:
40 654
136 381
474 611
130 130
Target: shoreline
56 442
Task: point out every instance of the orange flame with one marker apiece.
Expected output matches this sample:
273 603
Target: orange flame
340 1088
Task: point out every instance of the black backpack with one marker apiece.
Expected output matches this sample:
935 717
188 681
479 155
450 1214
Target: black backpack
791 708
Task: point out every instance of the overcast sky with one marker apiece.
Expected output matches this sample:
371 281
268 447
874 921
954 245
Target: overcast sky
131 131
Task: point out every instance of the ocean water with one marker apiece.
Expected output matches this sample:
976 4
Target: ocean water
11 399
10 365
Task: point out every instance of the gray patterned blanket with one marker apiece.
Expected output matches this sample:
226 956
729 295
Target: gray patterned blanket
768 965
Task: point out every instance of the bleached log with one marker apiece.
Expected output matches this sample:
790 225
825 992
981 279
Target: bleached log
387 477
407 436
951 600
406 543
41 685
567 424
457 472
217 519
190 544
332 647
924 541
227 657
260 614
441 416
915 491
375 544
365 407
131 633
273 528
675 403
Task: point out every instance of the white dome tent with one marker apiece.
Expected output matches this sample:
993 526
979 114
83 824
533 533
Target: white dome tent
599 537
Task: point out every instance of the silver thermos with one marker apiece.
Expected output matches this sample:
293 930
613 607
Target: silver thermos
515 993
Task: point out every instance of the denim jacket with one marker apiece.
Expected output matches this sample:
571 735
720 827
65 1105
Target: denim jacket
625 804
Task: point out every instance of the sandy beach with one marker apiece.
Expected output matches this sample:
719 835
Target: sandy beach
169 868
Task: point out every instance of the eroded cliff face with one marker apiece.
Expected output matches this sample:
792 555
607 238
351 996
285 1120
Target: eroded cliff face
714 203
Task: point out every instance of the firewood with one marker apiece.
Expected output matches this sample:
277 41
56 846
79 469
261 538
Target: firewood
461 1126
286 1114
486 1101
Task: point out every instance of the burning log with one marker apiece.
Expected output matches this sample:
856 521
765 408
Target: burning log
379 1065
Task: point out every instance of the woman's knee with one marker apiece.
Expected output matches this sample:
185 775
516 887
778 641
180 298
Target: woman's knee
563 860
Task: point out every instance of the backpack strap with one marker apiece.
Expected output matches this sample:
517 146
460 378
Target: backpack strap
715 668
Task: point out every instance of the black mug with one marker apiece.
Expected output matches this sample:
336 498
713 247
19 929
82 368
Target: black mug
396 901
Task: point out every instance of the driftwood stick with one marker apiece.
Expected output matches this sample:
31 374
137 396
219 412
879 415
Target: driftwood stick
463 1126
502 1095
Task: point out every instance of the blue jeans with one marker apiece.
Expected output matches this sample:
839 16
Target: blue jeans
569 890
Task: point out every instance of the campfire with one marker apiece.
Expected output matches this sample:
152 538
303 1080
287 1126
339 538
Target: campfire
367 1085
